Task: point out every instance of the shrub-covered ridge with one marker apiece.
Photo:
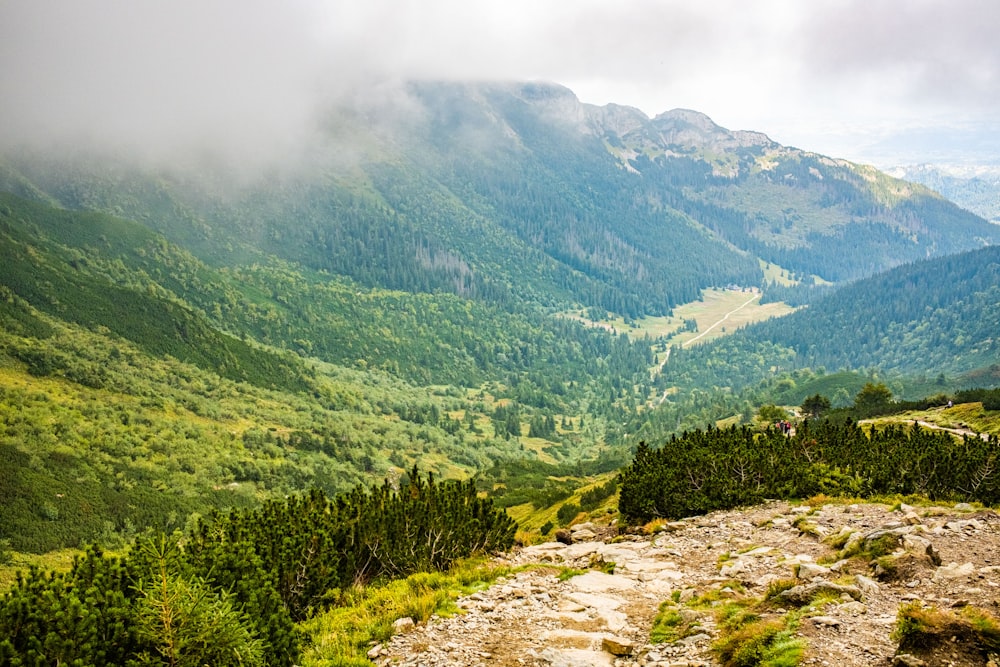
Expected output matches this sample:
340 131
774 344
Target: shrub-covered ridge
701 471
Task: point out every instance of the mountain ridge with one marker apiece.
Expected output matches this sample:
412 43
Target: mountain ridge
580 194
976 188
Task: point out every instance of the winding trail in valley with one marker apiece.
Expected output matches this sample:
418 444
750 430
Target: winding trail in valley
725 317
937 427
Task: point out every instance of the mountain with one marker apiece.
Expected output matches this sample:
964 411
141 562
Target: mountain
140 384
976 189
519 193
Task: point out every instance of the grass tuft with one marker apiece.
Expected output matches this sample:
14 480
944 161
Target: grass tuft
926 630
340 637
777 587
760 643
746 637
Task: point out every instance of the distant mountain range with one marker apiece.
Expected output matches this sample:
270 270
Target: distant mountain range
975 189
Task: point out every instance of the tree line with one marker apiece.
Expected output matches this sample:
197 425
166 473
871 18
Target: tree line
938 314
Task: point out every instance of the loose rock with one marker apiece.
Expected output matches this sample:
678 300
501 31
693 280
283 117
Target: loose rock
618 646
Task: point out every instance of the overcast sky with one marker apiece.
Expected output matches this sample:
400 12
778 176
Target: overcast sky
874 80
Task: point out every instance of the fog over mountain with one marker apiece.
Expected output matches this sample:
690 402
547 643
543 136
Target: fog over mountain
250 81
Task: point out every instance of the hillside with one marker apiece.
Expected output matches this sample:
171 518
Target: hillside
727 579
976 189
140 385
926 318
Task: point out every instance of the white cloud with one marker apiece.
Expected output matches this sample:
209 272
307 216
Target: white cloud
160 75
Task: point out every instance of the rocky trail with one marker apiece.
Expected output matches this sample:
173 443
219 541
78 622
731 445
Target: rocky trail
954 431
943 557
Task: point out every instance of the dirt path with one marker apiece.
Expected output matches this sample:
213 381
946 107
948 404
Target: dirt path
723 319
535 618
937 427
703 333
954 431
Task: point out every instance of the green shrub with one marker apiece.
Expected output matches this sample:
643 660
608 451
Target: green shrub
186 622
567 513
670 625
590 500
229 597
702 471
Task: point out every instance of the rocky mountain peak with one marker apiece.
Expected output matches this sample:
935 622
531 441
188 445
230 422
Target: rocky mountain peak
693 129
747 138
553 102
617 119
687 118
559 104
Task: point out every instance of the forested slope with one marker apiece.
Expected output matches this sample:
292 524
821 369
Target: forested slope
930 317
414 290
140 385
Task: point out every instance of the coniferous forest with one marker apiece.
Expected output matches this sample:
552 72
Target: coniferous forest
700 471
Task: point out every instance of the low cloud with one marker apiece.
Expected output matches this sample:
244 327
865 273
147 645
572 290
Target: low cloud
944 54
160 78
250 80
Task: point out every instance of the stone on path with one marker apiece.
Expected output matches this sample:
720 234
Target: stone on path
618 646
595 581
806 593
953 571
403 625
869 587
575 657
809 571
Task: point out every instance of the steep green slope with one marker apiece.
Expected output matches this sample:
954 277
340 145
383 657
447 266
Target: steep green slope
133 393
515 156
101 271
56 279
153 440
